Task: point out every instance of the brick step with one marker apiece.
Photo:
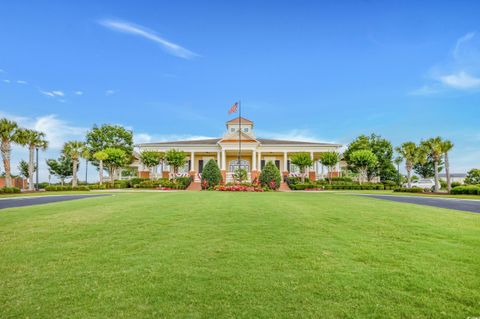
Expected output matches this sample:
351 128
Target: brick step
284 187
194 186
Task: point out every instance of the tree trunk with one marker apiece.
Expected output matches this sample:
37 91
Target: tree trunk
74 175
409 175
330 172
31 166
302 172
100 172
447 172
435 165
6 163
111 173
62 181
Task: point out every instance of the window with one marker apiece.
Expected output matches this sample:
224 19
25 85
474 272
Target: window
245 129
232 129
234 165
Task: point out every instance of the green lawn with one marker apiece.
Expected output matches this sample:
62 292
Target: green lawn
248 255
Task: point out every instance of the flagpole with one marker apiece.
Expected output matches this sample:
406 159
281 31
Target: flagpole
239 140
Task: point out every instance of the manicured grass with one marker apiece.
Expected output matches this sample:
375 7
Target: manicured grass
247 255
390 192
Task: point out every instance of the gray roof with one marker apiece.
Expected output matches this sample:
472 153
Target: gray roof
214 141
453 175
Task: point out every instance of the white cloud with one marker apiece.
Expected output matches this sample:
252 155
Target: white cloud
78 93
57 131
424 90
47 93
127 27
148 138
22 82
7 81
110 92
54 93
464 39
459 73
461 80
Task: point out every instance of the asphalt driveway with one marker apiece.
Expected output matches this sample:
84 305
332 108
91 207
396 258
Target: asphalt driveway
468 205
29 201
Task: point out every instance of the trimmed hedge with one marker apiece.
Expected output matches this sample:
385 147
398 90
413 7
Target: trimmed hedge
345 186
59 188
409 190
9 190
466 190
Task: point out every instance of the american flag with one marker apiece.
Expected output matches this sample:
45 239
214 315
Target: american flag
233 109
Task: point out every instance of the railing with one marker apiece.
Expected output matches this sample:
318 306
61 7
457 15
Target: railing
231 179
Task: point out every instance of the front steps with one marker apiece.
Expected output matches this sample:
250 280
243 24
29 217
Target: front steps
194 186
284 187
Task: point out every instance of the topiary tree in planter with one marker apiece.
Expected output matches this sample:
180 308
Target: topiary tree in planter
176 159
270 176
302 160
150 159
211 175
330 160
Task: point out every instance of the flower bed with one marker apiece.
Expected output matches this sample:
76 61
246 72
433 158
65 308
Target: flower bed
238 188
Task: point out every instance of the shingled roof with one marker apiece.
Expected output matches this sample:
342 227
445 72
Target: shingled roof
214 141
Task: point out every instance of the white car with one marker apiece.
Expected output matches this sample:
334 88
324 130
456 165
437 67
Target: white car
426 183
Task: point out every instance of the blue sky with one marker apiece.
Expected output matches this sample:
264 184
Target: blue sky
311 70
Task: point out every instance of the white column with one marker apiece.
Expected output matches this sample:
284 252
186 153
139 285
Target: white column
224 160
285 160
254 160
259 160
192 161
311 157
218 158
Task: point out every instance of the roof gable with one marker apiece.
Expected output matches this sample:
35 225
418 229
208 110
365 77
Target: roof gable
237 121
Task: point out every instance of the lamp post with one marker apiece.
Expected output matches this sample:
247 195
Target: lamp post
36 172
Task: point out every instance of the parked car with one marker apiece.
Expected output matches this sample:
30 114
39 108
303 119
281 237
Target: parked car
425 183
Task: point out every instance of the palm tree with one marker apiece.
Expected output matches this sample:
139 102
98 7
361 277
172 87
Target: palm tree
75 150
8 135
409 152
433 147
398 160
446 147
100 156
32 139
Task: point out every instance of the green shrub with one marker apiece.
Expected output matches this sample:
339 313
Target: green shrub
211 175
59 188
43 185
137 180
9 190
270 176
183 182
455 184
342 179
295 180
121 184
466 190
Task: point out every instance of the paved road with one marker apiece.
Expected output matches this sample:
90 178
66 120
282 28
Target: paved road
28 201
467 205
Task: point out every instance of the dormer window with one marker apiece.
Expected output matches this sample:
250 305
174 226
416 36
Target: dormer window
245 129
232 129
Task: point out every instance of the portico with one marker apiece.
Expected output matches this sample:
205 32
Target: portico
255 153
